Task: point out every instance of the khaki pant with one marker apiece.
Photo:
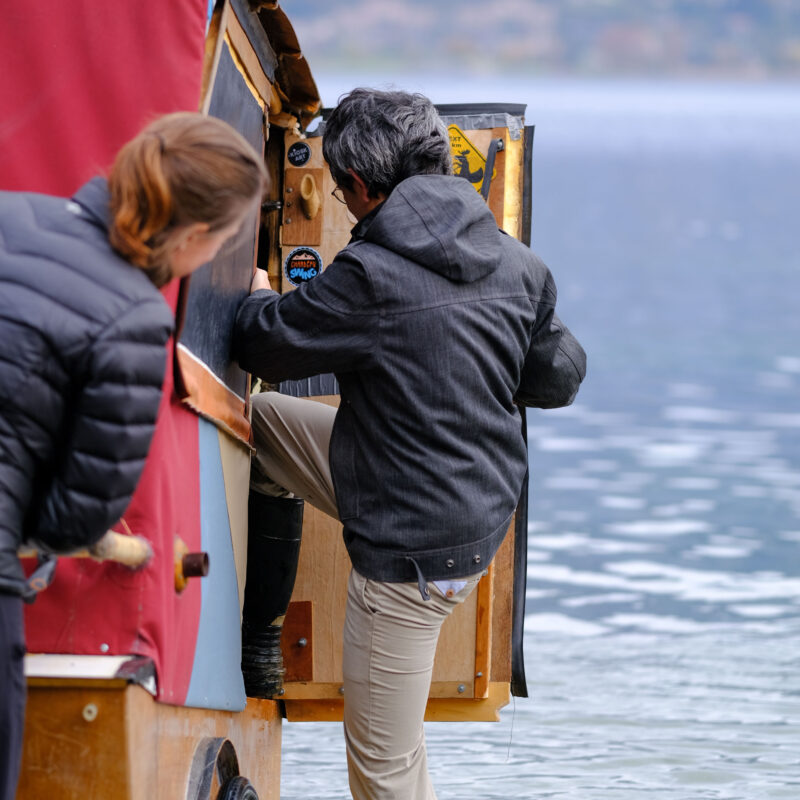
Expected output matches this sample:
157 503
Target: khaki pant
390 633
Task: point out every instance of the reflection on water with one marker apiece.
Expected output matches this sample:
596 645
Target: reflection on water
663 605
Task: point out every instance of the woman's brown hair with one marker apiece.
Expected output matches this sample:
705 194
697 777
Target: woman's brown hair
182 168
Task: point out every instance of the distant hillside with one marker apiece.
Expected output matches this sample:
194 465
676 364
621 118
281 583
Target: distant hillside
711 38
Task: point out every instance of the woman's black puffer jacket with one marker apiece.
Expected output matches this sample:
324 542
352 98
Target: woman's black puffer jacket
82 354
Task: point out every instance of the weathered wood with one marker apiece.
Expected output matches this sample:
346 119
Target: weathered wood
297 642
483 632
247 61
298 229
214 40
445 709
113 740
502 604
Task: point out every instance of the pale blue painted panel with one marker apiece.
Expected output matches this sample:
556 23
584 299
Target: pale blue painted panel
216 675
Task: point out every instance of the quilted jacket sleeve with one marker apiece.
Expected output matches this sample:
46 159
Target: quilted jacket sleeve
555 363
111 427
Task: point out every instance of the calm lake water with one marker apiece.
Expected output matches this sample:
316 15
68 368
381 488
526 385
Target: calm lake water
662 642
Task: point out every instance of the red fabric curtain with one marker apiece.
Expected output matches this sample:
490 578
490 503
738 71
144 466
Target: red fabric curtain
81 77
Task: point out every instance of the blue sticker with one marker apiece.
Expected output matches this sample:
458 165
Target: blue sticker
302 265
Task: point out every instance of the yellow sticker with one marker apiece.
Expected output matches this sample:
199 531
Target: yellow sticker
468 161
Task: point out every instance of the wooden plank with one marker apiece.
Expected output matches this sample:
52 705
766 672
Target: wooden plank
438 709
248 62
214 40
118 742
297 642
512 221
75 745
483 633
455 651
502 603
297 227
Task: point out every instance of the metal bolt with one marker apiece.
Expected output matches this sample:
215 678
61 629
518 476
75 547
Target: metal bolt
104 648
476 559
281 691
89 712
289 221
302 642
289 190
341 690
449 563
478 674
461 688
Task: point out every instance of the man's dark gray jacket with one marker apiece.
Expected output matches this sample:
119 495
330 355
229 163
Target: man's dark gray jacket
82 355
436 324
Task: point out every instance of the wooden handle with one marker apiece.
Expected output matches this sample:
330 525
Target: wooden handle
131 550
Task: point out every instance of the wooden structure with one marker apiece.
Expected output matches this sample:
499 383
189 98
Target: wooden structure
135 682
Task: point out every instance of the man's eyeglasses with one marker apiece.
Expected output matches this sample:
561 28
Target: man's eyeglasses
337 193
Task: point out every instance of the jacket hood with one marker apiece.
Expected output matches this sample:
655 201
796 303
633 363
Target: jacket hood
440 222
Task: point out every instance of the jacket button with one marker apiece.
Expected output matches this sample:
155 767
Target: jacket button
449 563
476 559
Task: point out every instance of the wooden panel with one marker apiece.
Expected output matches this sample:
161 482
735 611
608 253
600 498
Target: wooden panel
214 39
512 221
503 598
247 61
335 220
483 633
297 642
75 745
322 574
297 227
455 652
118 742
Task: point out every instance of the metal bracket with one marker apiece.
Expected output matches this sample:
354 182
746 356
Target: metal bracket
494 146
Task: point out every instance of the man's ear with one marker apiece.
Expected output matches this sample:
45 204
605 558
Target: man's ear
359 187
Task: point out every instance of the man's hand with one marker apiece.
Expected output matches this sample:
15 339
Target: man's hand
260 281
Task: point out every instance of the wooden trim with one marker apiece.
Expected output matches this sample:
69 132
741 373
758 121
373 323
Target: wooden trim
513 187
317 690
214 39
445 709
245 58
210 397
483 634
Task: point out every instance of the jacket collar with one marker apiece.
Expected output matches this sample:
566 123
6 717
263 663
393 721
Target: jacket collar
93 198
359 230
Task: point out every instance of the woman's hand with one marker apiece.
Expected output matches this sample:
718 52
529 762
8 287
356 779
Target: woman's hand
260 281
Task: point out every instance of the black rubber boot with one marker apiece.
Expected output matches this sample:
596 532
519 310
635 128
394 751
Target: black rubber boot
273 547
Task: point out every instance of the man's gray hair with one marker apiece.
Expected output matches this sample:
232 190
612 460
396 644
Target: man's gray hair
385 137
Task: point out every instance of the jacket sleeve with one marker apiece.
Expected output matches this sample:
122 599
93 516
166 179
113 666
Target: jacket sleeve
555 363
329 324
110 430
